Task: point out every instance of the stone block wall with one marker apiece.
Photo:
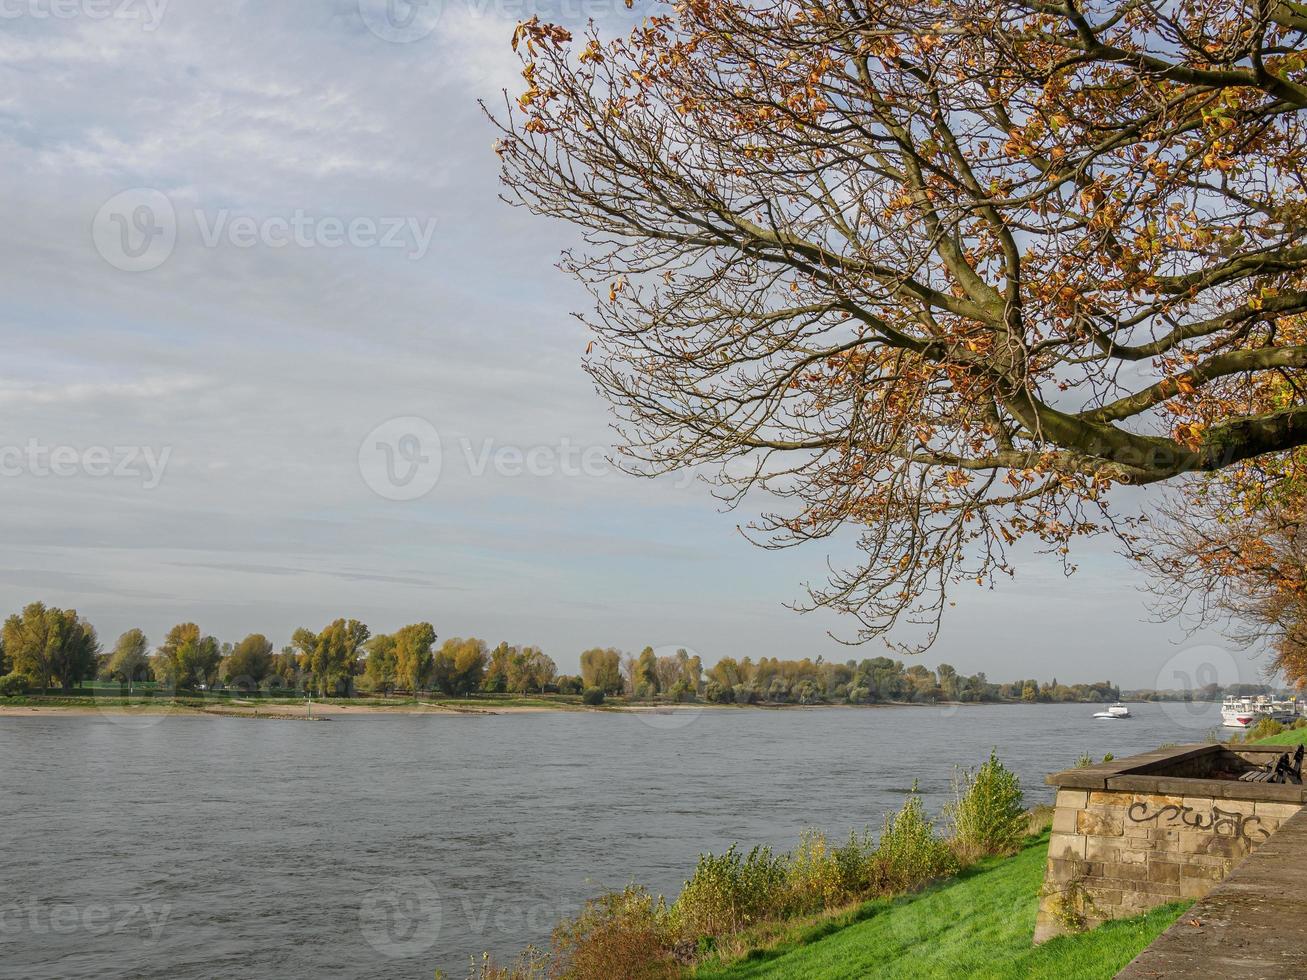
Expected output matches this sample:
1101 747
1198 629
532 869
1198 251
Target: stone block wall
1123 842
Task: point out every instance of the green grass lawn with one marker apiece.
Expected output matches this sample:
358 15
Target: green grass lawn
979 924
1295 737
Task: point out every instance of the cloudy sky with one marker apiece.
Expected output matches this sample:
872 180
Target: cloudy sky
275 354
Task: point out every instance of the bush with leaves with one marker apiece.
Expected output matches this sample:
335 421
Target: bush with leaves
593 696
730 892
1266 727
621 934
820 877
14 685
987 814
910 853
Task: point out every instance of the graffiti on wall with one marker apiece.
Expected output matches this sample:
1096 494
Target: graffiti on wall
1222 823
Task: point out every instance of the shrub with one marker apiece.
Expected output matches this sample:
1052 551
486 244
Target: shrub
1265 728
593 696
910 853
13 685
621 934
746 694
730 892
823 877
718 693
987 813
812 877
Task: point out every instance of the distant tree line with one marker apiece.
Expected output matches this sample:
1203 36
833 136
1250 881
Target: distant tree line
45 647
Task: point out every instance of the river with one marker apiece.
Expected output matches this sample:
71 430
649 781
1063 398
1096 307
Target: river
392 846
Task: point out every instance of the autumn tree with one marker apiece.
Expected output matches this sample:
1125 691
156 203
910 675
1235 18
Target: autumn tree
130 659
47 644
602 669
187 659
249 662
644 680
459 665
496 677
329 656
943 272
529 670
379 671
1231 551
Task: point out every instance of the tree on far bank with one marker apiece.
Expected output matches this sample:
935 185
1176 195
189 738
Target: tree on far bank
459 665
602 669
187 659
329 657
379 669
646 674
496 677
46 643
944 272
130 659
530 670
249 662
413 656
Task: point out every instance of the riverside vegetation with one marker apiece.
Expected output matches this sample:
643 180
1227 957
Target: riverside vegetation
757 913
44 647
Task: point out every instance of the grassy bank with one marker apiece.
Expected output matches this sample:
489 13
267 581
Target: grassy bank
978 924
1296 737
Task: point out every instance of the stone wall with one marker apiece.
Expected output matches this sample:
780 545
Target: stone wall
1127 836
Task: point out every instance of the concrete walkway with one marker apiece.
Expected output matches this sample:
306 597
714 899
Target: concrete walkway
1251 926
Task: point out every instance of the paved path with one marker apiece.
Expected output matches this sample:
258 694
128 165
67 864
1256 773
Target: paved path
1251 926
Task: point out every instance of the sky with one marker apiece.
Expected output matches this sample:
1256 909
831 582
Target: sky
275 353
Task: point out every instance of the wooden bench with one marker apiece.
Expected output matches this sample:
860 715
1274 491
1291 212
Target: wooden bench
1283 771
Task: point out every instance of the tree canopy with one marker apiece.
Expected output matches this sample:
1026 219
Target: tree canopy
130 659
48 644
942 271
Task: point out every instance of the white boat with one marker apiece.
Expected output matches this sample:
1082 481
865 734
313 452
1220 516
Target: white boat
1237 712
1113 712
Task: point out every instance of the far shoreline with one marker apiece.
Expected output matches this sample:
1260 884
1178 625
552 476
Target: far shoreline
323 710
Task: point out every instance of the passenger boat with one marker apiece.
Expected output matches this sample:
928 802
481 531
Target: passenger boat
1113 712
1243 712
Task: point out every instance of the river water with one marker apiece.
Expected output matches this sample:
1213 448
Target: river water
393 846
